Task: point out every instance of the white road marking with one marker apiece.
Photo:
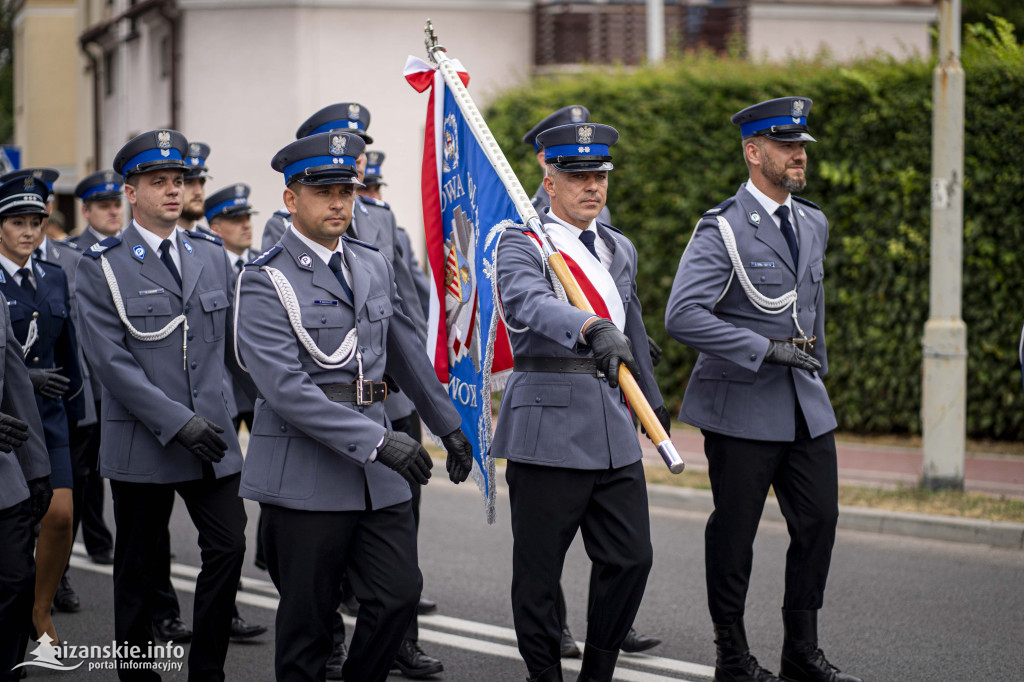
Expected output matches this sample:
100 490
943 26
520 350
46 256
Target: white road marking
263 594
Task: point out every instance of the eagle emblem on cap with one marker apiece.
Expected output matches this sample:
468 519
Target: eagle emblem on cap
239 190
29 183
577 114
193 149
353 110
585 134
798 108
163 139
108 176
338 144
373 158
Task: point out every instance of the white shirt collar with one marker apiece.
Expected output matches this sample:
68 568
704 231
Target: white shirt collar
154 240
99 237
322 252
11 267
769 204
43 246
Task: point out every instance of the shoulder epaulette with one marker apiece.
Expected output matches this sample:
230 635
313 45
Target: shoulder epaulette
806 202
202 235
264 257
612 228
350 240
69 244
380 203
97 249
721 207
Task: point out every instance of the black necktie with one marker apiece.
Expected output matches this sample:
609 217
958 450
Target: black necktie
239 264
26 283
165 258
788 233
335 265
588 237
38 253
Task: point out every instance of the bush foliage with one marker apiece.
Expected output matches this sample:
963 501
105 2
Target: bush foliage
678 156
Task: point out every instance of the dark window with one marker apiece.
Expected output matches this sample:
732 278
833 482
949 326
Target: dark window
109 72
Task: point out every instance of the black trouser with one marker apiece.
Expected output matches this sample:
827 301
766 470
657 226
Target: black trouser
142 511
164 598
307 552
17 584
548 506
88 489
804 476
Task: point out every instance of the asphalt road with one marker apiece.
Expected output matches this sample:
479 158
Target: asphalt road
897 609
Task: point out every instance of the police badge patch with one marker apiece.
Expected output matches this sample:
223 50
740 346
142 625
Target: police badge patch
756 217
188 247
338 144
584 134
798 109
305 260
139 251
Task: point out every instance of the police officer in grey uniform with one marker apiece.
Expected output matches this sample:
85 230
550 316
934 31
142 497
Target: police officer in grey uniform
330 323
564 427
156 303
25 495
196 175
749 296
577 113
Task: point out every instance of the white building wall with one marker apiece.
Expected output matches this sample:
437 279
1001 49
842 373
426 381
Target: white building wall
780 31
252 72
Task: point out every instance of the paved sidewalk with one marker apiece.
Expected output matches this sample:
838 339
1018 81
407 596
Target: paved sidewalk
879 466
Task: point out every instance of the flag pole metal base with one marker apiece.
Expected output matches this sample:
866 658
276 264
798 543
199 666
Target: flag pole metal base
673 461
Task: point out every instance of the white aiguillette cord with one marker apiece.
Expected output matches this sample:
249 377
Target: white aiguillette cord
343 355
115 293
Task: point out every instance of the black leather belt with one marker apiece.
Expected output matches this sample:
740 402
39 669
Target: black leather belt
806 345
543 363
358 392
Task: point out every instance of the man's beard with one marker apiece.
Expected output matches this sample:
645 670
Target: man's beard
776 175
189 214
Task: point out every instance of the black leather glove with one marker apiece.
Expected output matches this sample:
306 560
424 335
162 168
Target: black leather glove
664 417
403 454
40 492
13 432
783 353
655 351
460 456
611 348
199 436
392 384
48 383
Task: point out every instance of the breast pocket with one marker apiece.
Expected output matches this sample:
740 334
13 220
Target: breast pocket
723 383
766 280
539 409
378 311
215 310
327 326
150 314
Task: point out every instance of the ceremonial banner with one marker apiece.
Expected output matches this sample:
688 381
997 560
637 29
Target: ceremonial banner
464 206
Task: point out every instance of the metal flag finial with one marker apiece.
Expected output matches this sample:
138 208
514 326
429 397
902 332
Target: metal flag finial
430 40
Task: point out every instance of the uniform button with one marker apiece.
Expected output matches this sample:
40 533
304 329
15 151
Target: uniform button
362 349
188 309
381 310
352 447
753 357
359 318
156 431
799 309
568 335
537 399
323 318
35 360
195 393
283 428
763 278
149 309
194 365
725 375
191 336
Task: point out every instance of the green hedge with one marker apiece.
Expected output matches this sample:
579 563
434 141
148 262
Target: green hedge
678 156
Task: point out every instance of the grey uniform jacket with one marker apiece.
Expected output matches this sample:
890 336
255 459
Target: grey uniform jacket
239 391
574 421
731 391
277 223
148 392
31 460
418 276
305 451
66 255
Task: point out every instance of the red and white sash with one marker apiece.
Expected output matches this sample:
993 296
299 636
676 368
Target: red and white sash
595 281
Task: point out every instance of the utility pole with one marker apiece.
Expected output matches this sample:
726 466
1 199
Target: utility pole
655 31
944 388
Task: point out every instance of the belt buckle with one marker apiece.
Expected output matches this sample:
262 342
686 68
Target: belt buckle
804 344
364 392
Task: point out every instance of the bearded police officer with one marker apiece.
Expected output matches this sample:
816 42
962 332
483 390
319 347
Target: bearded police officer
156 306
749 296
319 323
195 176
564 427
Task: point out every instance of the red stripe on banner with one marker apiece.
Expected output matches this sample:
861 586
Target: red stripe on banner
433 231
589 291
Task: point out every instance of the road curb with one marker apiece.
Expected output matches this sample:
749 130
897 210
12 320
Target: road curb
929 526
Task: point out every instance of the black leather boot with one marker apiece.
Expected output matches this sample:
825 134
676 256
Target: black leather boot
598 664
552 674
802 660
734 662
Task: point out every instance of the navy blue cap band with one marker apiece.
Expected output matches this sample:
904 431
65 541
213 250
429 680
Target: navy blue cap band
107 188
766 124
149 155
214 211
342 124
557 150
291 170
